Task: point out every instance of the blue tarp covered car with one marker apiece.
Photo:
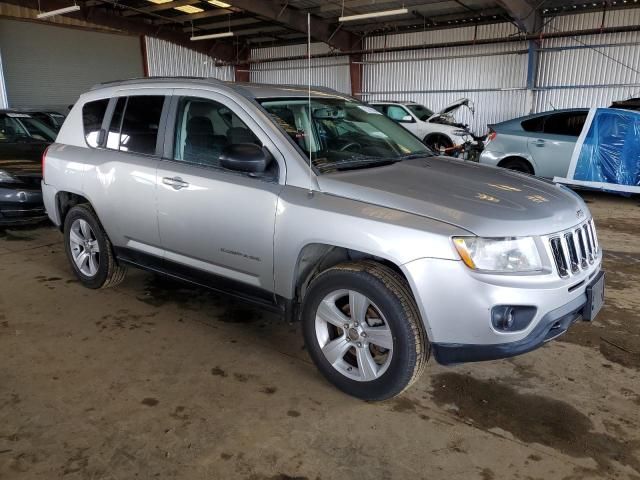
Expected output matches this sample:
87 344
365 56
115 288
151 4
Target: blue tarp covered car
607 153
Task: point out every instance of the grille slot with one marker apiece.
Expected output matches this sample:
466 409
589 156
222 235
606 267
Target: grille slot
573 254
575 250
558 255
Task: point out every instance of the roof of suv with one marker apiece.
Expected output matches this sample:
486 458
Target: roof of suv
251 90
391 102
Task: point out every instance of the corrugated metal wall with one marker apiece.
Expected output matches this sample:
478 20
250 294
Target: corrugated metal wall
494 76
570 74
165 59
331 72
51 65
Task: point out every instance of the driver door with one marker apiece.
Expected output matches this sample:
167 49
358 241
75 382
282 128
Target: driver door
216 223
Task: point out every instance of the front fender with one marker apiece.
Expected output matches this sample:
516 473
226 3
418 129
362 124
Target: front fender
319 218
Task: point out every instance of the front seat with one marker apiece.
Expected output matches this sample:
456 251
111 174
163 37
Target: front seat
201 144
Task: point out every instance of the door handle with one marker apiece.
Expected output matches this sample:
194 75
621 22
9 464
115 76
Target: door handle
539 142
176 182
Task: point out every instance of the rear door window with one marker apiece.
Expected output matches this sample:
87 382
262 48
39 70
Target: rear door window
140 124
92 116
567 123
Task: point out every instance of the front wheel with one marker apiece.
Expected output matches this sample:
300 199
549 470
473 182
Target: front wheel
363 330
439 143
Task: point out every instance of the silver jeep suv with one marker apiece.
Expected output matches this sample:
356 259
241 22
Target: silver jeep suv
320 207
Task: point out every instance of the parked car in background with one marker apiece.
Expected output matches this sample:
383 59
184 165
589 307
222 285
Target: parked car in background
50 118
628 104
438 130
317 206
23 140
540 144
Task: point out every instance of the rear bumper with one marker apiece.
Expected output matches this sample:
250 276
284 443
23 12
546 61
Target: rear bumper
551 326
20 206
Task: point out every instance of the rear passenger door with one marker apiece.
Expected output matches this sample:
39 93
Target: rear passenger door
553 147
217 224
122 180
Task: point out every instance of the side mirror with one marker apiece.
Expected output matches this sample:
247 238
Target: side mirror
406 119
245 157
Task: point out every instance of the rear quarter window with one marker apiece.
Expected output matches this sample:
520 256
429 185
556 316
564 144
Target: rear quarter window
92 116
535 124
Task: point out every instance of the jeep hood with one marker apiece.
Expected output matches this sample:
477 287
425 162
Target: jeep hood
487 201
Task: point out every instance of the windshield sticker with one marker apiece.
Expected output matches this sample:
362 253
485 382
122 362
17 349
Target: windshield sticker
372 110
18 115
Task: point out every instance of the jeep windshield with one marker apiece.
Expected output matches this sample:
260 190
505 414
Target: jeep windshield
342 134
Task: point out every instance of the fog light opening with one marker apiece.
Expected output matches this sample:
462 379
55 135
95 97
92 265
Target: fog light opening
510 318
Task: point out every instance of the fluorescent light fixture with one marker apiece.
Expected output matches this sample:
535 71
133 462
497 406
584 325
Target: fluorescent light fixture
189 9
363 16
60 11
218 3
159 2
212 35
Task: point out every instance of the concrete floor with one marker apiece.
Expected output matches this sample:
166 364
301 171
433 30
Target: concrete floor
157 380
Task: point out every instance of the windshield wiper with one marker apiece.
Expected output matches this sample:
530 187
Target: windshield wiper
354 162
363 161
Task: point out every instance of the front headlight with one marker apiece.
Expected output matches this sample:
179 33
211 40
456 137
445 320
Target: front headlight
5 177
501 255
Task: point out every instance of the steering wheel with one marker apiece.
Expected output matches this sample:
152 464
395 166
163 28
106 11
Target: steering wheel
349 145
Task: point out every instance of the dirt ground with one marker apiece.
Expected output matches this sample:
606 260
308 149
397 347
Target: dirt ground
154 379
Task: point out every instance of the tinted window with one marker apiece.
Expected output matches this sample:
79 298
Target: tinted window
569 123
92 115
535 124
205 128
11 130
140 124
38 130
113 135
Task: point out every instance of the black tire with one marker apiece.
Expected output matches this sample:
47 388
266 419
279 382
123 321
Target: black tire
392 296
438 142
109 273
518 165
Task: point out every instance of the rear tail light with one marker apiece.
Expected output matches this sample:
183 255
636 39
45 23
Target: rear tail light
44 157
491 136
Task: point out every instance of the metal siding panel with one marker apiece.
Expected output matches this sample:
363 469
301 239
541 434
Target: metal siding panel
50 66
330 72
166 59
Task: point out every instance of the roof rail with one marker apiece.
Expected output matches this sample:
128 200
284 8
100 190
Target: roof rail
135 81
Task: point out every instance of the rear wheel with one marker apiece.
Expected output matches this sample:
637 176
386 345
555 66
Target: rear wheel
517 164
89 250
363 331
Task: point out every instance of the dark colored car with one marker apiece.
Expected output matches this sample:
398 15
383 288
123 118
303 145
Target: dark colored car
50 118
628 104
23 140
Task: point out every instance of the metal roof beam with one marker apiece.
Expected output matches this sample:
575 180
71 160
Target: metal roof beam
525 15
294 19
155 8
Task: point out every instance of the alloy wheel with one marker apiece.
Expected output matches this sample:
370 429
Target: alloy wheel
85 249
353 335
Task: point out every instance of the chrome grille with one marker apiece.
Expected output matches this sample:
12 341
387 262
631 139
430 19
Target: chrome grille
575 250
